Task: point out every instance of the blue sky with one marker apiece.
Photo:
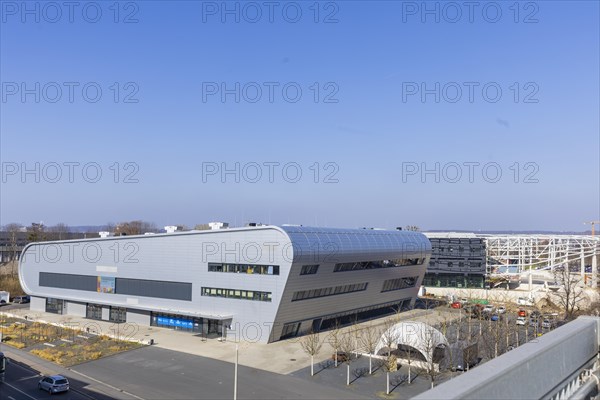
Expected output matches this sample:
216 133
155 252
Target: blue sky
363 127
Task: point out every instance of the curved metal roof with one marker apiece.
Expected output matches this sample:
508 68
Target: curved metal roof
311 244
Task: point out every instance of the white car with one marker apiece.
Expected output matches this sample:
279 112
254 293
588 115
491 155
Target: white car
501 310
521 321
488 309
547 324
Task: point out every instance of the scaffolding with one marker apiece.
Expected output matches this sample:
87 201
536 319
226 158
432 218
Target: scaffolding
519 254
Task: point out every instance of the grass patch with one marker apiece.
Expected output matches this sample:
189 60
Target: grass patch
68 354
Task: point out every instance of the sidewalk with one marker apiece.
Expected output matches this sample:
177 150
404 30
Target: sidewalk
282 357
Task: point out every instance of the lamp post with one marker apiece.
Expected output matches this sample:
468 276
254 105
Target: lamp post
235 374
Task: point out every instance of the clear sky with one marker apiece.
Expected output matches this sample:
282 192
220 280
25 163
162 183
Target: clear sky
388 90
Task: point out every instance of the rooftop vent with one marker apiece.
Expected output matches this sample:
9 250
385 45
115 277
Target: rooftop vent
218 225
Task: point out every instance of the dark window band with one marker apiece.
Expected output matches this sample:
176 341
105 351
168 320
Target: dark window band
329 291
362 265
239 294
127 286
244 268
399 283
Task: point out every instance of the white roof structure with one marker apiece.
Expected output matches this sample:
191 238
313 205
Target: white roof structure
418 335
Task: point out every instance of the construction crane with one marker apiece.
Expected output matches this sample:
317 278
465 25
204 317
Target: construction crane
593 224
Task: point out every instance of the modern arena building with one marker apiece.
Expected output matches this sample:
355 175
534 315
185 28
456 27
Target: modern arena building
262 283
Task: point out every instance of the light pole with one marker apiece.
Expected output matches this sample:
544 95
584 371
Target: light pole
235 374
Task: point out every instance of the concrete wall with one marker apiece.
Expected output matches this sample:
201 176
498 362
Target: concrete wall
139 317
75 308
37 304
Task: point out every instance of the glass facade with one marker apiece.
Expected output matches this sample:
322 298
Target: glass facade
117 314
329 291
309 269
399 283
454 280
244 268
358 266
93 311
237 294
54 306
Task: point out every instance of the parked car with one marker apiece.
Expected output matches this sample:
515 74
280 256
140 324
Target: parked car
521 321
533 322
488 309
535 314
54 384
456 304
547 324
464 301
522 313
501 310
495 317
21 299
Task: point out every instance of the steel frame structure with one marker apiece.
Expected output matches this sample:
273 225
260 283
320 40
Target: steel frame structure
527 253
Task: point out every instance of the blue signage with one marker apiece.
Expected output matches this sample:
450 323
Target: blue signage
176 322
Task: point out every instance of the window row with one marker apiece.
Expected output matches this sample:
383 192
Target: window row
358 266
237 294
329 291
309 269
399 283
244 268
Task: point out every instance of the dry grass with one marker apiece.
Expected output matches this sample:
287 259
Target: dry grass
11 284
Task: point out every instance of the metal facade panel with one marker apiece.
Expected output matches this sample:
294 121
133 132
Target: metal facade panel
184 257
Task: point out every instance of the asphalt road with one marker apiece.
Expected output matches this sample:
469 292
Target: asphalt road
20 383
153 373
22 376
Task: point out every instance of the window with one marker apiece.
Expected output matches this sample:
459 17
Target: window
93 311
237 294
329 291
244 268
362 265
399 283
309 269
54 306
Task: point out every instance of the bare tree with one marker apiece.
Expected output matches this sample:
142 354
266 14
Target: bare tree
571 292
134 228
58 231
414 228
334 340
429 343
311 344
389 339
346 346
368 339
13 230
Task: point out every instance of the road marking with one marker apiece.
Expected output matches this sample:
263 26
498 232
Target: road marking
106 384
20 391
